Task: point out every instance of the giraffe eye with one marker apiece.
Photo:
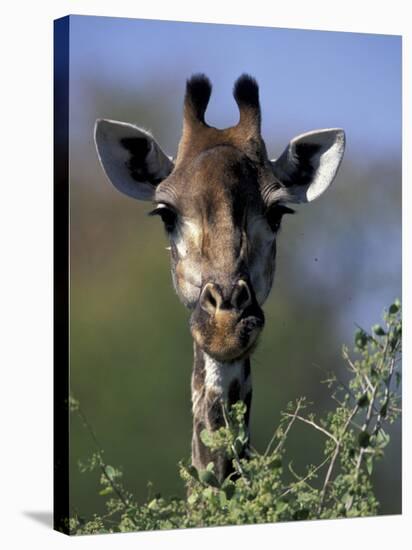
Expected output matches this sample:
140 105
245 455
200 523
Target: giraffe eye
168 216
274 215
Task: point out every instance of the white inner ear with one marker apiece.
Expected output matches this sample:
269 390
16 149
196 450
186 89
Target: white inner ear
330 157
114 158
325 161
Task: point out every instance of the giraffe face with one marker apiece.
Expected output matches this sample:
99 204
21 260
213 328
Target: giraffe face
219 227
222 246
221 201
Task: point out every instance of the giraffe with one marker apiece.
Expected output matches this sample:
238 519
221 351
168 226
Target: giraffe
221 201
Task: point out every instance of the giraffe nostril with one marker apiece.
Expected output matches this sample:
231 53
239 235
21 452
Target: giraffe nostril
210 299
241 297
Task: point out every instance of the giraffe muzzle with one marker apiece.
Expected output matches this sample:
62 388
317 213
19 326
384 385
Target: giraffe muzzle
226 325
212 299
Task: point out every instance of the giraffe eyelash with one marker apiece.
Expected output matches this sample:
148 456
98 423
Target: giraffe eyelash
168 215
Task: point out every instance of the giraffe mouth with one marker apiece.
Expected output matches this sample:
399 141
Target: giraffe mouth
228 336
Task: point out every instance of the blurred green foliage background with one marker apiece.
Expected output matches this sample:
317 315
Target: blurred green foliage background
339 259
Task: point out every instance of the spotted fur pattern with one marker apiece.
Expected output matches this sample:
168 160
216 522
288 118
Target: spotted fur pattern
216 383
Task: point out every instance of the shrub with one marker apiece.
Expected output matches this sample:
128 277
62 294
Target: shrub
263 488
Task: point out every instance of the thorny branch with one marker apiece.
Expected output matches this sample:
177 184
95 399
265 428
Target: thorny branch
285 433
314 425
335 457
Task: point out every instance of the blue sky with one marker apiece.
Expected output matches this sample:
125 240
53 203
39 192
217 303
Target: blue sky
308 79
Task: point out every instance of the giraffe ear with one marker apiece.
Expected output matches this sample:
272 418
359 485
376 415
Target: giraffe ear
309 164
131 158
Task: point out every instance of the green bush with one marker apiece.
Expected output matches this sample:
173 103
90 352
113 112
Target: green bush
263 489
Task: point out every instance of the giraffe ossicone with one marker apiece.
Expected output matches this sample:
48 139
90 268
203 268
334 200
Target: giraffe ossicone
222 201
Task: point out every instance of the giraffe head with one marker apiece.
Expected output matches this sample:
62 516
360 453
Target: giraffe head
221 201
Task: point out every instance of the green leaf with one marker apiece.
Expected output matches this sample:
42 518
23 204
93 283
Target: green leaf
382 439
369 464
363 401
275 463
229 488
378 330
193 498
106 491
110 472
239 446
208 493
206 437
242 435
153 504
208 478
301 514
192 471
361 338
74 404
281 506
222 498
374 375
363 439
341 510
394 308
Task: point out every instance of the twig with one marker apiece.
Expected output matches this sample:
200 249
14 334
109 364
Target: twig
334 458
102 466
314 425
303 479
386 397
235 455
349 360
288 427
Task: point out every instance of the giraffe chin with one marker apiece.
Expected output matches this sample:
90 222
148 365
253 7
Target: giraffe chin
226 337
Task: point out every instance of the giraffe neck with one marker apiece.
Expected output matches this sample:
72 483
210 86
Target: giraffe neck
212 383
